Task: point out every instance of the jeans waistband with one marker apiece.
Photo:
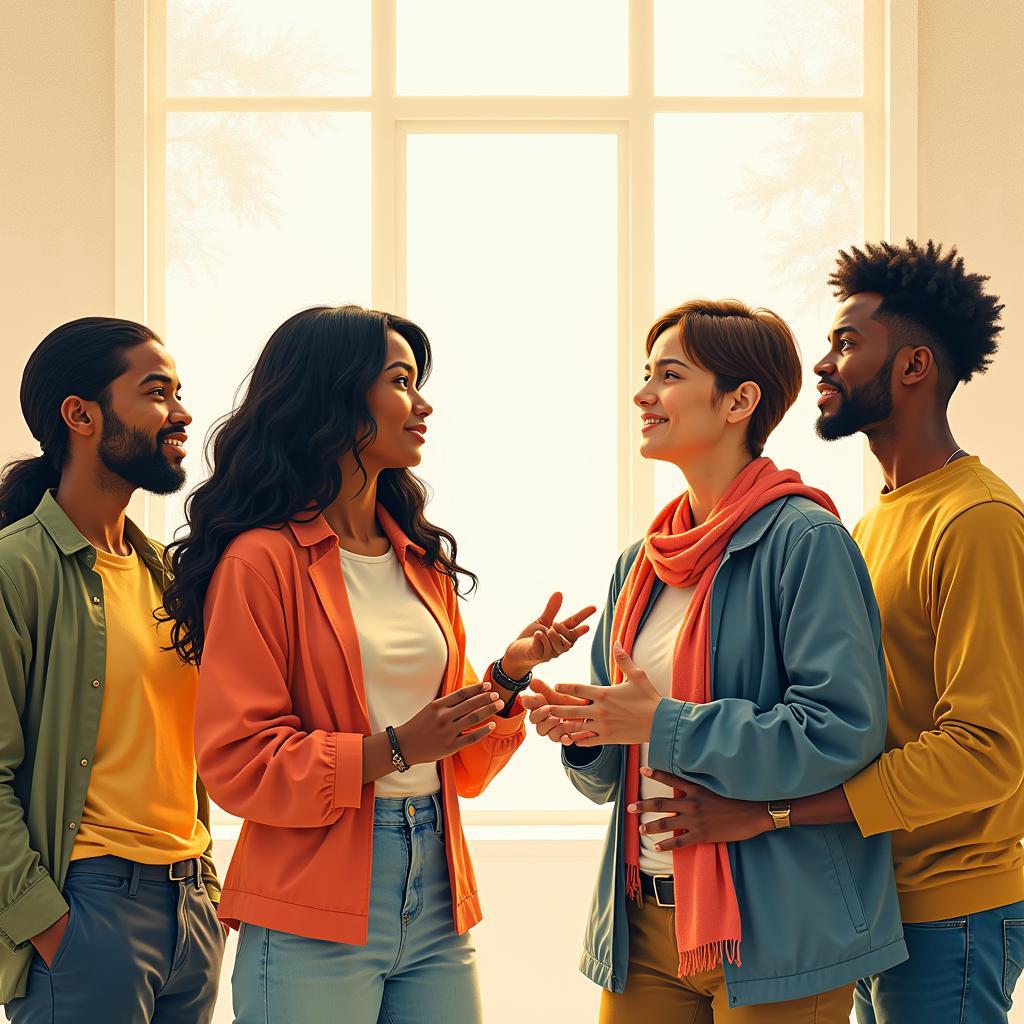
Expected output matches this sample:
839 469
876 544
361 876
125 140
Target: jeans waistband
190 870
411 810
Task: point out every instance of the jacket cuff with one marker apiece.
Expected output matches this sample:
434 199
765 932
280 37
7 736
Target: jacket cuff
869 799
348 769
511 723
211 883
32 912
584 759
667 732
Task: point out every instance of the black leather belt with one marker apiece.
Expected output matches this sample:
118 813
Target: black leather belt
660 888
181 871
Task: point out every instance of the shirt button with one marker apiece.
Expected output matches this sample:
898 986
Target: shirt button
84 762
72 826
95 684
95 600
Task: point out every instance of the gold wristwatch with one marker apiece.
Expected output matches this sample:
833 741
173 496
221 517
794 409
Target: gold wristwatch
779 810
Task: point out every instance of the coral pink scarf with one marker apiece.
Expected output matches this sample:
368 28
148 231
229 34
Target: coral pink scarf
707 916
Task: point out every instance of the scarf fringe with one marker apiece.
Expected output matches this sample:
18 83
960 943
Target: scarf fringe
633 890
708 957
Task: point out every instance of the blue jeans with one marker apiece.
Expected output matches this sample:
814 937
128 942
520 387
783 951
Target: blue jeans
961 971
413 968
138 947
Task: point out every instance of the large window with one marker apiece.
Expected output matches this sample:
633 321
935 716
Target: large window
532 181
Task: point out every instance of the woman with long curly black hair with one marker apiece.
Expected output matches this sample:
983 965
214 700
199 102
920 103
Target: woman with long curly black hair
337 712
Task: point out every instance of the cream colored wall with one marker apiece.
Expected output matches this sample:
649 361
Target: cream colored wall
57 262
971 192
56 180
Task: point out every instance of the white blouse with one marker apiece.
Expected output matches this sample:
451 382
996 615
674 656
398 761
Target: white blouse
403 653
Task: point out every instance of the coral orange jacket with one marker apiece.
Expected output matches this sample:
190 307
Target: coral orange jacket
281 718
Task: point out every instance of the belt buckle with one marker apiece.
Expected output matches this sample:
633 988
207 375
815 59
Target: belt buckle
657 890
189 867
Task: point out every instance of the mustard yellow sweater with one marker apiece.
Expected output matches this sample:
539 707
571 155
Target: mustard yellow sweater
946 557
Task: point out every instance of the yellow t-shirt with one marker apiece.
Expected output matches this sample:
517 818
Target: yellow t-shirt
946 558
141 803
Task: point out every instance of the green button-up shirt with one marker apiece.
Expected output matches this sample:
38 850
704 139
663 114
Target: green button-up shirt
52 660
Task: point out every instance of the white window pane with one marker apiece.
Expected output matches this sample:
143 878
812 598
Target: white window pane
512 273
754 48
266 214
512 47
266 48
755 207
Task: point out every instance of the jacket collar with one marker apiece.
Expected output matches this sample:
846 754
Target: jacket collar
70 541
756 526
312 531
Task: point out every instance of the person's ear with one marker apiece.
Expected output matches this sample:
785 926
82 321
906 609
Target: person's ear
742 402
80 416
915 364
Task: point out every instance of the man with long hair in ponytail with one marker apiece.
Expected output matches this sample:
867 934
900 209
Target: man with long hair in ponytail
107 886
740 648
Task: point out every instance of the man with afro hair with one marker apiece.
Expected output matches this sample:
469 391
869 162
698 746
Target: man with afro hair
945 550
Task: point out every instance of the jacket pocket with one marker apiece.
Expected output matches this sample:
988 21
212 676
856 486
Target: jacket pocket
847 885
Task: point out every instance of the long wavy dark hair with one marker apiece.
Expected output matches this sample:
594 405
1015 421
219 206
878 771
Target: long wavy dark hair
81 357
279 453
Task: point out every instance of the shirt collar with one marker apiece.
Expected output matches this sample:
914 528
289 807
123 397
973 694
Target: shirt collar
62 531
314 529
70 541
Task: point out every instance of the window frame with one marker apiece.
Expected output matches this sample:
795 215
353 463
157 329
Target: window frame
141 105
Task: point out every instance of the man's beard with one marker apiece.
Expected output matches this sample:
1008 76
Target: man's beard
137 458
861 407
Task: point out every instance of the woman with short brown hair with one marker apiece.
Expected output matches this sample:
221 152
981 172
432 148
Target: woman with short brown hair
740 651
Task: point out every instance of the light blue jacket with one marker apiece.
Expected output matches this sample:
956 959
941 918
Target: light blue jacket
798 705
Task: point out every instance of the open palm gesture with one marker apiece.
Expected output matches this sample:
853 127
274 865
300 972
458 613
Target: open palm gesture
545 639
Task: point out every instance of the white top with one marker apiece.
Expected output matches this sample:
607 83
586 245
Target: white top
653 651
403 653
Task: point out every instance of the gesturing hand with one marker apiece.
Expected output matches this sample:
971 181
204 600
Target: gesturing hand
448 724
699 816
544 639
615 714
549 711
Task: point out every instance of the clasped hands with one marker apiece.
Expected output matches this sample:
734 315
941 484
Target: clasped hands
590 716
599 714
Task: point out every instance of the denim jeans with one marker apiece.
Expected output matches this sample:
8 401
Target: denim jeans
135 950
413 968
961 971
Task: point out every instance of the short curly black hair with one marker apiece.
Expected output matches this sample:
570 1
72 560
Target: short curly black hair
934 292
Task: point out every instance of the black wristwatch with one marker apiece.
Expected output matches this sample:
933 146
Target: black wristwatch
507 682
